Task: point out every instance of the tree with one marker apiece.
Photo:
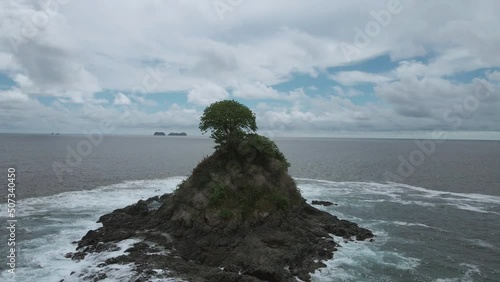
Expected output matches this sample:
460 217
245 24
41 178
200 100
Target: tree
228 121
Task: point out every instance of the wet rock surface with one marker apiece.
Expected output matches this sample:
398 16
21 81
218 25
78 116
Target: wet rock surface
229 221
280 248
322 203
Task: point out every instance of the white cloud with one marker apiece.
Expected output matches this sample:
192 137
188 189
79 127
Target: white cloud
347 92
13 96
495 76
6 61
357 77
206 94
23 81
144 101
261 41
437 103
44 50
88 46
256 90
121 100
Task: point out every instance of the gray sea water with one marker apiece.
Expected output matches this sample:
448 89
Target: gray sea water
436 218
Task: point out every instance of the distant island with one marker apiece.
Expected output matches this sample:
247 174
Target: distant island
161 133
177 134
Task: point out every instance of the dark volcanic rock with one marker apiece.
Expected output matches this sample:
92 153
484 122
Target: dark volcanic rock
259 253
322 203
247 223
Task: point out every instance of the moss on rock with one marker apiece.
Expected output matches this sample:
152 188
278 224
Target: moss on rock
248 183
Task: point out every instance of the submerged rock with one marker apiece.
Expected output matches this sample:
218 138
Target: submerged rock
238 217
322 203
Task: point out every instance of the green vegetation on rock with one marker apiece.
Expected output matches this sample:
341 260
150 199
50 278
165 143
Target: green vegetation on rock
266 147
228 121
246 178
239 210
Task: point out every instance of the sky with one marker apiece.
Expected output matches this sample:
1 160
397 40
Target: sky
326 68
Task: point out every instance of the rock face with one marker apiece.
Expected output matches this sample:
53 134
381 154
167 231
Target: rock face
236 218
322 203
177 134
159 133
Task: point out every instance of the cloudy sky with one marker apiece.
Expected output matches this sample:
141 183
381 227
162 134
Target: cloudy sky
317 67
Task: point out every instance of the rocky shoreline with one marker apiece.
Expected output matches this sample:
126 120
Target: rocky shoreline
280 248
238 217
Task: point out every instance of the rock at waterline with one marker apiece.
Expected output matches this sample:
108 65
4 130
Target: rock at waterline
243 220
322 203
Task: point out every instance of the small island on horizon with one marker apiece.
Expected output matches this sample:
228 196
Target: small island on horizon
177 134
161 133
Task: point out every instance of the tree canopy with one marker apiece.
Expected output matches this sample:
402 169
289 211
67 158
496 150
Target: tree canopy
227 120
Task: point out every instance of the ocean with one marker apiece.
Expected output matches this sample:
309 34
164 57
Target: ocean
433 206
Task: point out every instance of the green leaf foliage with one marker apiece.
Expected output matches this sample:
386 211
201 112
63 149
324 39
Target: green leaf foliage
266 147
228 121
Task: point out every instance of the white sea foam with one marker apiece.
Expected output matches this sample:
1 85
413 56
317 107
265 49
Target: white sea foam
55 221
474 197
392 187
354 258
90 265
415 203
471 271
399 193
481 243
112 196
375 261
465 201
402 223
